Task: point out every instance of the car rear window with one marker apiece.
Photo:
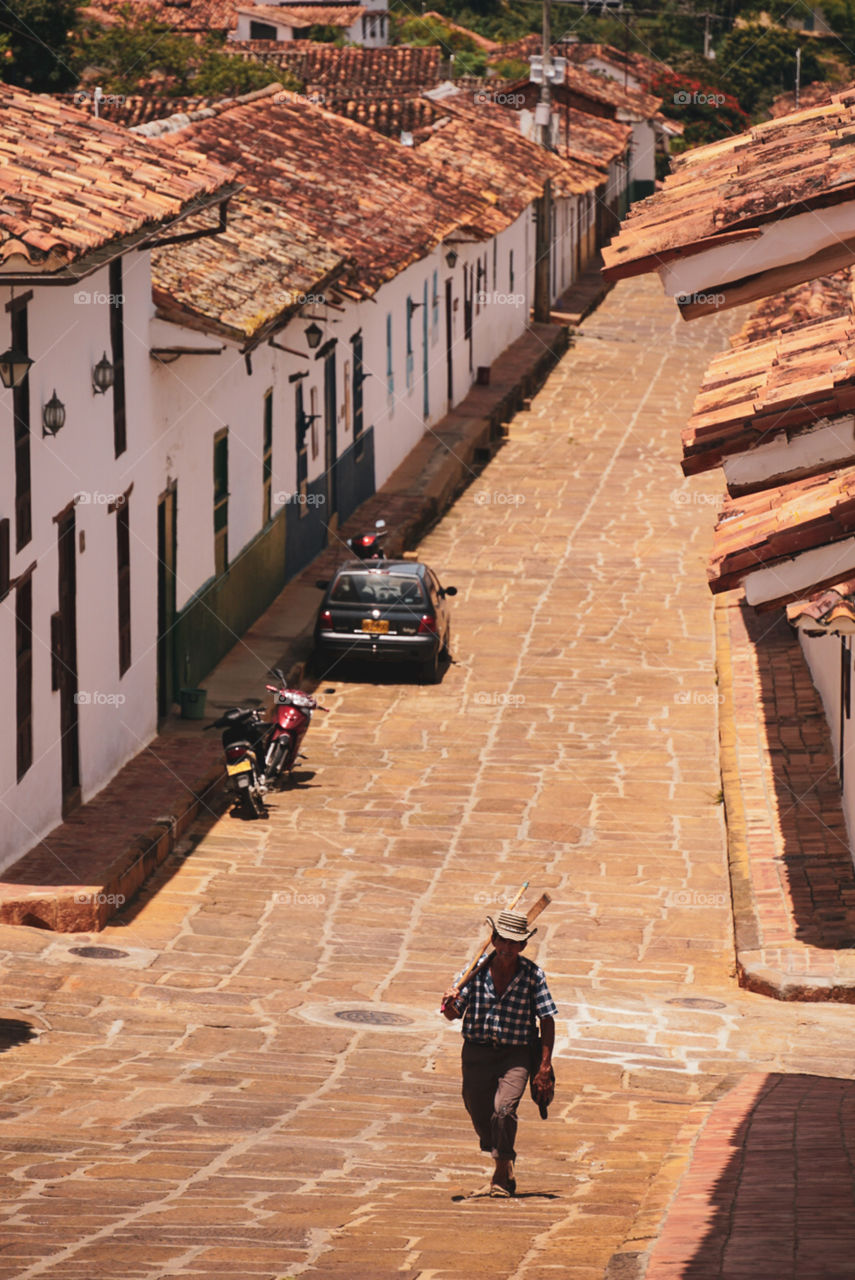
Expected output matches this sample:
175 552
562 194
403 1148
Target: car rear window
377 589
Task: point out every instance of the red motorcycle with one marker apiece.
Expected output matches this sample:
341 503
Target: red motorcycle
291 716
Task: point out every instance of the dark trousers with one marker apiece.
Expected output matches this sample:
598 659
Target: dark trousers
493 1083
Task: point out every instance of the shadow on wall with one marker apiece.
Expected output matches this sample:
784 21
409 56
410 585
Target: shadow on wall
817 858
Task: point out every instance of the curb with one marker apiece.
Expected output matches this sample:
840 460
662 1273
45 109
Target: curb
754 972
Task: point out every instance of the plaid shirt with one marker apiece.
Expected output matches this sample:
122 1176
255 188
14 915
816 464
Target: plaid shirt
507 1020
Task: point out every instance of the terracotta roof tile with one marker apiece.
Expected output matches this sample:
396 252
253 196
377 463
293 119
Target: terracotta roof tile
197 16
70 184
343 72
830 611
729 187
786 379
483 141
247 280
389 116
601 88
595 139
374 200
766 528
305 16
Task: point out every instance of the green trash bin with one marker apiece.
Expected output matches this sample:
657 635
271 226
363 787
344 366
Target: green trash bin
193 703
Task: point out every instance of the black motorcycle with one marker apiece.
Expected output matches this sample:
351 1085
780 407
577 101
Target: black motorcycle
369 546
245 732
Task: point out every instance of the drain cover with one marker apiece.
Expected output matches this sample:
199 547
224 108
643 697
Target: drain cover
374 1017
696 1002
98 953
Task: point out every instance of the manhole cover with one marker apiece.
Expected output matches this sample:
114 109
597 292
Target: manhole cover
98 953
374 1017
697 1002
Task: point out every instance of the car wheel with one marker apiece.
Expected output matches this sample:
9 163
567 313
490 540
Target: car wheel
430 672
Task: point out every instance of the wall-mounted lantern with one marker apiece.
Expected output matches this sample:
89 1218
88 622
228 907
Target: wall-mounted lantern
53 416
451 258
103 376
14 367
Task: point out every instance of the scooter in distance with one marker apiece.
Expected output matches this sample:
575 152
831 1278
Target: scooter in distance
260 753
369 546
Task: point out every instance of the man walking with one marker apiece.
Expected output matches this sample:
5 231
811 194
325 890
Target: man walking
499 1005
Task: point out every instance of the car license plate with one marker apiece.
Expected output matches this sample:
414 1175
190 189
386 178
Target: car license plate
378 626
242 766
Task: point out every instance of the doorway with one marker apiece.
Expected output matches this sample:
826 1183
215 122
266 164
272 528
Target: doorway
166 565
67 665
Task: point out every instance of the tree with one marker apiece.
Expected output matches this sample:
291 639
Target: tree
758 62
36 50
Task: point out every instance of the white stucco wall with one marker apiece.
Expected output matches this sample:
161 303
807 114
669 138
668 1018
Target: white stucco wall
643 151
68 332
823 656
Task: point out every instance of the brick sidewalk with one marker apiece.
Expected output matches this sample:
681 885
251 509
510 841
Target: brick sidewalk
84 870
792 875
766 1190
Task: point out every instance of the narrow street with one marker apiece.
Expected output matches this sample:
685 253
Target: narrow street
260 1084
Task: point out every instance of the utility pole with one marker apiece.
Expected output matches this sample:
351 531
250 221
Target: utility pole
543 206
798 74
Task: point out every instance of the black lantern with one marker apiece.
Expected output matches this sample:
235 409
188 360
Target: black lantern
14 367
451 258
103 376
314 333
53 416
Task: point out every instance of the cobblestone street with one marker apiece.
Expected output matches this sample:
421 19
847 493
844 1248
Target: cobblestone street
259 1083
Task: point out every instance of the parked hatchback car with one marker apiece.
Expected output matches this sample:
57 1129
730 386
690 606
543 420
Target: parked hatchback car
388 611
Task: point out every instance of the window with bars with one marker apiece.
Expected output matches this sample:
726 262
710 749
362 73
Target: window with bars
21 415
117 344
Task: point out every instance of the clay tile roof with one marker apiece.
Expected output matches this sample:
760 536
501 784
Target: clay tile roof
830 611
374 200
483 141
296 15
343 73
131 110
721 191
519 50
786 379
642 68
389 116
815 300
604 90
71 184
810 95
247 280
595 139
766 528
179 15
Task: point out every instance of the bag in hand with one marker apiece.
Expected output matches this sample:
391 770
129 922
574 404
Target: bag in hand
543 1097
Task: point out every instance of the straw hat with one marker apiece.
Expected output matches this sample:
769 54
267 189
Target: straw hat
512 926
